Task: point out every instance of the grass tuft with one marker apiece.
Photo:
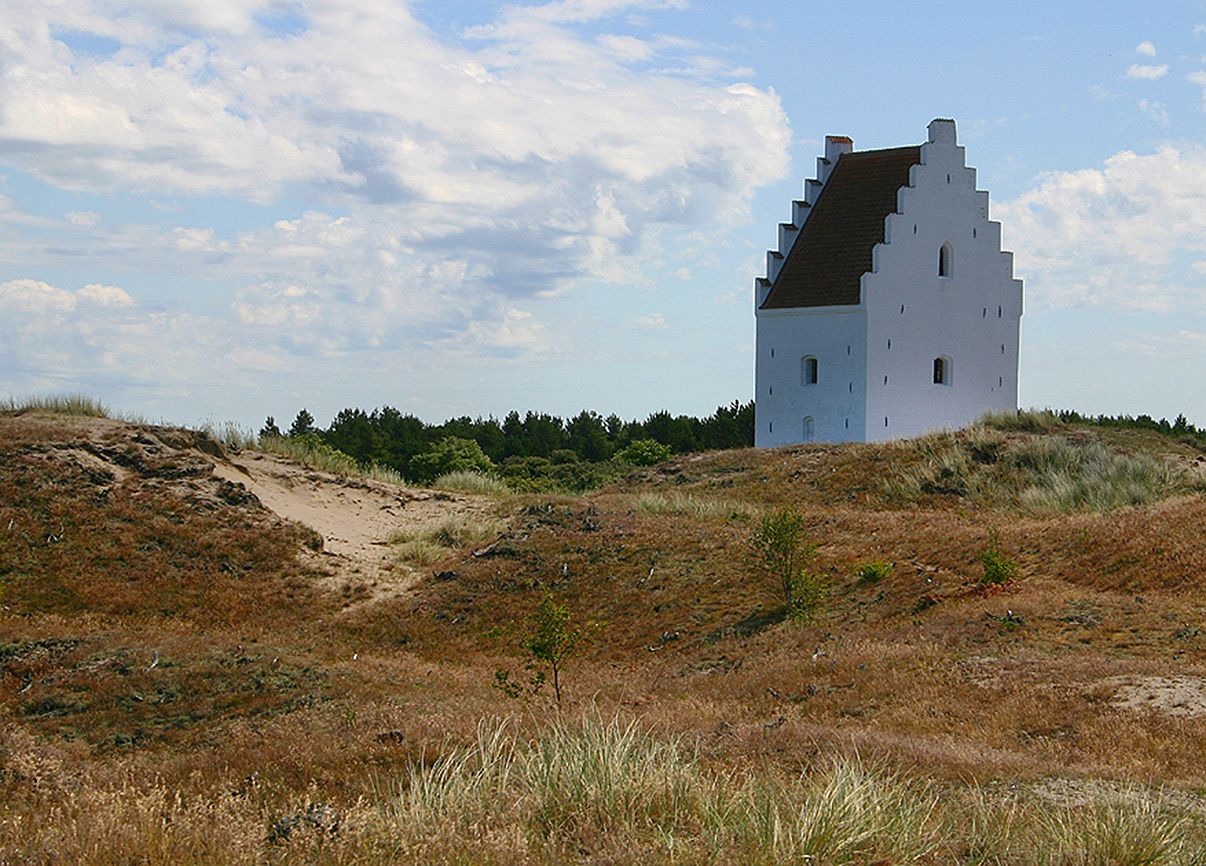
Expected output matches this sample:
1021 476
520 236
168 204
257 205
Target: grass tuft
472 482
1052 473
677 502
59 404
312 452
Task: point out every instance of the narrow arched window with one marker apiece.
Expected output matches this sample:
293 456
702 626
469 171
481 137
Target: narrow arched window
946 257
810 429
808 370
942 370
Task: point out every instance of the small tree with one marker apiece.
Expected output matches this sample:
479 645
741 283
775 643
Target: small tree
782 553
302 424
998 568
551 640
270 430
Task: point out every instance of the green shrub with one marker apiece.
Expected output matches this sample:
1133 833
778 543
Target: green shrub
782 553
450 454
875 571
998 568
645 452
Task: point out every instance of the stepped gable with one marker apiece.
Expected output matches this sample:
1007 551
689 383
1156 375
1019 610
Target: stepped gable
833 250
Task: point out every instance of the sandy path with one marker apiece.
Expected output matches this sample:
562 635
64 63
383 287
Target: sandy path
354 516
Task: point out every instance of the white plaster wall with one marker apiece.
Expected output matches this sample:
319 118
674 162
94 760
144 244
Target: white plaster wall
971 317
836 337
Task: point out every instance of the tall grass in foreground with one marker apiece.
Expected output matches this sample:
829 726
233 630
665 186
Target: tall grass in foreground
600 791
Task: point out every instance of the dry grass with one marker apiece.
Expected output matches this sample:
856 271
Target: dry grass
1044 474
473 482
175 680
58 404
692 505
424 547
585 788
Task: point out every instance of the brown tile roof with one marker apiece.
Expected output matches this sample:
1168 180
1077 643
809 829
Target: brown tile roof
834 249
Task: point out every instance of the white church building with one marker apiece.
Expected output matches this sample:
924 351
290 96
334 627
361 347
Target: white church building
889 309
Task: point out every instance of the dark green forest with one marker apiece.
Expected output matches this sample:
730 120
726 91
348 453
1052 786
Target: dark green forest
533 451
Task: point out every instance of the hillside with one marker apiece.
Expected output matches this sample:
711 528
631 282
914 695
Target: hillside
182 620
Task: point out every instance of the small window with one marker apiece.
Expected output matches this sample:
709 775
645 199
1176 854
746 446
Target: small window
851 387
810 429
772 353
973 233
847 423
847 349
808 370
772 389
889 344
902 306
984 315
885 420
999 312
885 380
1002 348
770 427
914 228
946 255
942 370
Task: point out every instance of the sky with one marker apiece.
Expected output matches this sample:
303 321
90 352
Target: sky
219 210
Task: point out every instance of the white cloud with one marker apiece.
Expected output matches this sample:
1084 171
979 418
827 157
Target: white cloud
83 218
1161 345
1144 72
1122 235
1199 78
566 159
104 296
1156 111
1146 48
652 320
35 296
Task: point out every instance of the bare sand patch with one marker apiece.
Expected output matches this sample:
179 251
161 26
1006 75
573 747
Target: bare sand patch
1183 696
354 516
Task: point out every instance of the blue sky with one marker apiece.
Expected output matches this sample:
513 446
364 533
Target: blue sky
223 209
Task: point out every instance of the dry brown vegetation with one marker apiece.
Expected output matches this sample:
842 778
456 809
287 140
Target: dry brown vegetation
186 679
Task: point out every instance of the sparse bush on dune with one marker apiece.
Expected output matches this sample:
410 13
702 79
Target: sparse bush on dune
781 553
